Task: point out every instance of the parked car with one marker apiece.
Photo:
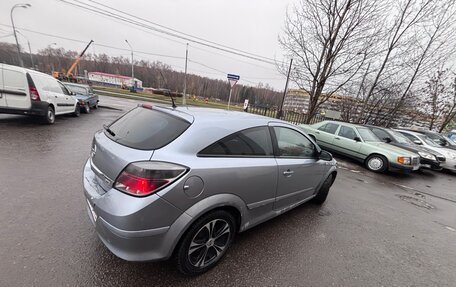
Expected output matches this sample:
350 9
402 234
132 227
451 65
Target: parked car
452 136
84 93
361 144
428 158
423 140
181 182
28 92
437 138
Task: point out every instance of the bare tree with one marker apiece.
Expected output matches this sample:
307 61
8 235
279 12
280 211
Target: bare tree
329 42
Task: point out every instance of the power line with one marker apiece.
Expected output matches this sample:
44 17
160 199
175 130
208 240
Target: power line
97 10
177 31
96 44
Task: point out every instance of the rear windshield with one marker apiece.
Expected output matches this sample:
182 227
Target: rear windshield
146 129
77 90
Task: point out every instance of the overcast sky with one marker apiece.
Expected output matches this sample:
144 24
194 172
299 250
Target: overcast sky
248 25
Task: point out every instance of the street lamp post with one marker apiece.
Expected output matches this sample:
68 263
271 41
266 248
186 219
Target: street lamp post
14 30
30 49
132 67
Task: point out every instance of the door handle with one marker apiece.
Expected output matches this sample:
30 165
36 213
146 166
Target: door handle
55 96
317 132
288 173
337 138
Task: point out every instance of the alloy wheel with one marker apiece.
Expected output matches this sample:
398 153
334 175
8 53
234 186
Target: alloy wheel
209 243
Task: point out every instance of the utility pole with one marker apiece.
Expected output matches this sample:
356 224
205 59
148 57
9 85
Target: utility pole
14 30
132 67
30 49
184 99
280 111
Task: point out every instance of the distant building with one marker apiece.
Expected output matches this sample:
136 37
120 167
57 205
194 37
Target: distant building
113 80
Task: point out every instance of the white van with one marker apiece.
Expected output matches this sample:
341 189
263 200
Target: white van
28 92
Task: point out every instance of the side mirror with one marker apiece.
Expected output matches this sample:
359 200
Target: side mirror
326 156
387 140
358 139
443 142
417 142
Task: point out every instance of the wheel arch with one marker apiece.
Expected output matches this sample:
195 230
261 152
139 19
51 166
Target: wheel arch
228 202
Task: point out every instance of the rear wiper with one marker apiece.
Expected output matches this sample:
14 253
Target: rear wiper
109 130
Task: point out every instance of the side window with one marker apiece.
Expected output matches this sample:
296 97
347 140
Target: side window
64 89
381 134
410 137
249 142
329 128
347 132
293 144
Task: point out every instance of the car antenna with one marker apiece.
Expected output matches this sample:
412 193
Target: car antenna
173 100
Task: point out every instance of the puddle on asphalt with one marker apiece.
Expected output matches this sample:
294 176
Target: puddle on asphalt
420 202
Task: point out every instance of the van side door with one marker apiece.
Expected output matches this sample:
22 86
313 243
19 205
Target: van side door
15 88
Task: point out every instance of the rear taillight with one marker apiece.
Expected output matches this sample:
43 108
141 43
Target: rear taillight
34 95
146 177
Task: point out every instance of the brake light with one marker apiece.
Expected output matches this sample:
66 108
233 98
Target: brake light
34 94
147 177
146 106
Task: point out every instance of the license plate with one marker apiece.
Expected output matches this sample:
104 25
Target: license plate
94 215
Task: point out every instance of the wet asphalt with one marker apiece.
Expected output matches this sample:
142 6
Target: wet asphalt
374 230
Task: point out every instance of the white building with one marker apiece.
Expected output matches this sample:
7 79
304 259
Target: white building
113 80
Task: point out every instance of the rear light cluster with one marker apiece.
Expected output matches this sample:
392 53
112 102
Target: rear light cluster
34 95
146 177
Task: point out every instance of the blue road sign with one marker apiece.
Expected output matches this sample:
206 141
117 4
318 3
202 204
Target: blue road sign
233 77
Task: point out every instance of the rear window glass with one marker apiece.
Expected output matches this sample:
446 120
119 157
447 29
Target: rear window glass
329 128
77 90
249 142
147 129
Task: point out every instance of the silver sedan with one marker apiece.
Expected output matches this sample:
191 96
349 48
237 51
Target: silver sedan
164 182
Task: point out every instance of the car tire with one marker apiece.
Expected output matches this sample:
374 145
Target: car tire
322 193
77 111
376 163
49 117
205 242
87 109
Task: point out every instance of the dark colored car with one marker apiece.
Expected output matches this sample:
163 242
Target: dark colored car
428 158
84 93
438 138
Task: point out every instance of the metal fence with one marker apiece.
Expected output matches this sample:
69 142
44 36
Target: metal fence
289 116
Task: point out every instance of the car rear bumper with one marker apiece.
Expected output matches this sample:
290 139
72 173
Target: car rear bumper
37 109
121 222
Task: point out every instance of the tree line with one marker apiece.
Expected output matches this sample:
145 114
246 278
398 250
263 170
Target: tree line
154 74
386 55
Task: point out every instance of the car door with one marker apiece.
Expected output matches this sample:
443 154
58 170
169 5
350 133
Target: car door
67 98
299 170
348 142
15 88
325 134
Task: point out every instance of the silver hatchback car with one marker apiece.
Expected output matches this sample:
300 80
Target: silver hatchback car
164 182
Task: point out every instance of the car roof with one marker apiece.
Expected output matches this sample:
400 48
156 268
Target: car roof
343 123
200 114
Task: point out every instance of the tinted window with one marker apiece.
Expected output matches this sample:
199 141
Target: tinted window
347 132
381 134
329 128
147 129
291 143
249 142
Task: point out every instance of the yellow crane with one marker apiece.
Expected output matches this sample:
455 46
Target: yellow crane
68 75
